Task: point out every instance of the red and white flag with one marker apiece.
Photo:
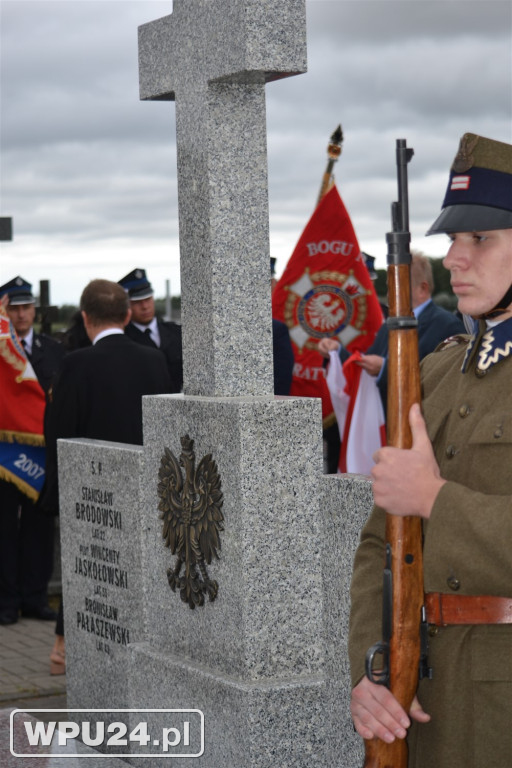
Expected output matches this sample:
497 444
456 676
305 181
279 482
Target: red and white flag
358 407
325 291
22 404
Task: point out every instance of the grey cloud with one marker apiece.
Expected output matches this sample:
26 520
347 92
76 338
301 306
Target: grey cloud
87 167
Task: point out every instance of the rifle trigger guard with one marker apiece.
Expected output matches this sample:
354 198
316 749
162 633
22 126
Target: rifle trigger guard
381 676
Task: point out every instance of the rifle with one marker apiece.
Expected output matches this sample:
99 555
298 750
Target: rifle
403 648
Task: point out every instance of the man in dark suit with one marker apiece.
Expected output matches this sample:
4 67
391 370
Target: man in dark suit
146 329
98 392
26 536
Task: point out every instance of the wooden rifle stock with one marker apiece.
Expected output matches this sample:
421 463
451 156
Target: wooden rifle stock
403 534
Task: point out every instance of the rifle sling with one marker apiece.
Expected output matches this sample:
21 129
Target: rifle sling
443 610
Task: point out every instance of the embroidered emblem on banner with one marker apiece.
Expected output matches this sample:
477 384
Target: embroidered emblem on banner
325 304
12 352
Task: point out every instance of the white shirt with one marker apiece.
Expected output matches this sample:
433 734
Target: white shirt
107 332
28 341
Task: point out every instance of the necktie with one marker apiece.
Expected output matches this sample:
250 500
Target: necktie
147 333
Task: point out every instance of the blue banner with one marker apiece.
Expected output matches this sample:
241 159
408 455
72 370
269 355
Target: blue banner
23 465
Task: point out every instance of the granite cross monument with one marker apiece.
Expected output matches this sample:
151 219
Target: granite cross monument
263 654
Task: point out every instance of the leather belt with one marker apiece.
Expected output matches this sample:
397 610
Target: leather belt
443 610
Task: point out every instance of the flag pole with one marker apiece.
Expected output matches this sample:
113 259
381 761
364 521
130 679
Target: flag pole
333 152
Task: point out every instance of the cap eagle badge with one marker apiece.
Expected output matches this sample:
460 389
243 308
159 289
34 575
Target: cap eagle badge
192 519
464 159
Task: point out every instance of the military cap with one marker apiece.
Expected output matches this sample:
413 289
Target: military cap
136 285
479 194
19 291
370 265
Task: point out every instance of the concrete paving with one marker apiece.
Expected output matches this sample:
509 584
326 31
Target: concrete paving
25 664
26 684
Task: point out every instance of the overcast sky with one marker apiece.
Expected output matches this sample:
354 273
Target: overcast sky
88 172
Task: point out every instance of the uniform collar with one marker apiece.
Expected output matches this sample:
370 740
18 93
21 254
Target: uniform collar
489 346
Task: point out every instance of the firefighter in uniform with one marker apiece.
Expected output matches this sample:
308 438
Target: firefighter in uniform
26 535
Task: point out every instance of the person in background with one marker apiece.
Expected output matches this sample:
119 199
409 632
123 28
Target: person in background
98 393
26 536
282 350
435 325
456 477
145 328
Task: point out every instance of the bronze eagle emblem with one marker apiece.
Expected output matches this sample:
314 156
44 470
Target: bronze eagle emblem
192 520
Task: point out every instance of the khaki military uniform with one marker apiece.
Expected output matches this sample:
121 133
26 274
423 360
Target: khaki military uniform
467 551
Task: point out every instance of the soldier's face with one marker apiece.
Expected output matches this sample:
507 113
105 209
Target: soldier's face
480 264
143 311
22 317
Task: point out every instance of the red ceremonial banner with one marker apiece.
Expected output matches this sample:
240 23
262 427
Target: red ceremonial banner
22 400
22 404
325 291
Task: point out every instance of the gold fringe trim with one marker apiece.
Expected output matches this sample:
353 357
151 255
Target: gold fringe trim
21 485
26 438
329 421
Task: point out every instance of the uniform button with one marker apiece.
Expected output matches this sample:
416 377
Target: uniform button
453 583
464 411
480 373
432 630
498 432
451 451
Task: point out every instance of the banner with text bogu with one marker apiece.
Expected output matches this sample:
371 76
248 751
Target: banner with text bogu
325 291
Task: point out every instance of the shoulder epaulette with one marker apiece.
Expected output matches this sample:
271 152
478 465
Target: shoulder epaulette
453 341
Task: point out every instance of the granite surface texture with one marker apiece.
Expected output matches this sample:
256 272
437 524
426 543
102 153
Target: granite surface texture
213 59
265 661
346 501
247 724
101 567
267 618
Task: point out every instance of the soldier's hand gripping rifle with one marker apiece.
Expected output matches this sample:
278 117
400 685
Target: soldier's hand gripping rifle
395 661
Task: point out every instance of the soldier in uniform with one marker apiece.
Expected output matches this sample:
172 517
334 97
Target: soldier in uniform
145 328
26 535
457 478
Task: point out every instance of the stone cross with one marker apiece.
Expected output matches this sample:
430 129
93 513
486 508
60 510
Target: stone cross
213 57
